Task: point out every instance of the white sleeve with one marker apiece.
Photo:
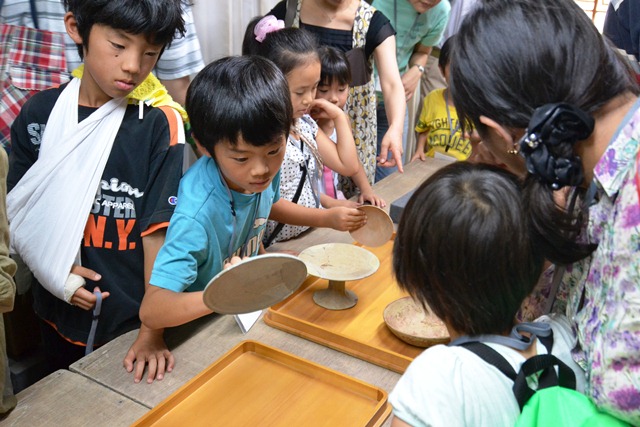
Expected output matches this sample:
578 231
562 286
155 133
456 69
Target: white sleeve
452 387
426 393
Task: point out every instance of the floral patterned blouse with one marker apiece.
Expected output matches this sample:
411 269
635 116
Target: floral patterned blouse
607 321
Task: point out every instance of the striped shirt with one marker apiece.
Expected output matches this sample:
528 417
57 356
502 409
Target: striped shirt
182 58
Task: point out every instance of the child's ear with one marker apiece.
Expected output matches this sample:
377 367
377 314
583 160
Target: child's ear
71 26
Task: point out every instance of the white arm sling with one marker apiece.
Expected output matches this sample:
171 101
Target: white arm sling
49 207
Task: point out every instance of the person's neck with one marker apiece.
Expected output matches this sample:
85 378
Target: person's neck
329 14
334 7
607 120
88 96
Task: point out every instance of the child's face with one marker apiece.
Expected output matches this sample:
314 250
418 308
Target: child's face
248 168
336 93
303 82
115 63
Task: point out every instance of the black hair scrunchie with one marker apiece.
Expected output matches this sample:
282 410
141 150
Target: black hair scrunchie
552 125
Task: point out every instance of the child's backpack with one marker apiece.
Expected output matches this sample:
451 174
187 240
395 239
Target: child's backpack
555 402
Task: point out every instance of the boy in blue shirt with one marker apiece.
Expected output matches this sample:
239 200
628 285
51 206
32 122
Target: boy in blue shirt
240 112
93 177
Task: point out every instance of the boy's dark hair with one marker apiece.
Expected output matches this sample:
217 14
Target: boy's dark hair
445 53
335 66
159 20
239 96
511 57
288 48
463 247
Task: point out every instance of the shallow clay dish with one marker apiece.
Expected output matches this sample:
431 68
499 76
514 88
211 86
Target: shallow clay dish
408 321
255 284
339 261
378 229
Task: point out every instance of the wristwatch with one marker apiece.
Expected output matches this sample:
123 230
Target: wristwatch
420 68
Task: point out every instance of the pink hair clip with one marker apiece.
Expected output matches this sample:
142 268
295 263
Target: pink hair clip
267 25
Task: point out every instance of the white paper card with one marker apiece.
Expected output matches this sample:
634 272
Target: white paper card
247 320
441 156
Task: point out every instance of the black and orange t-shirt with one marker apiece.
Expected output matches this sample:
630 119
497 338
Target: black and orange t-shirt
136 195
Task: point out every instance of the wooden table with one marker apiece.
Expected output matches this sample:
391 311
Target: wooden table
67 399
201 342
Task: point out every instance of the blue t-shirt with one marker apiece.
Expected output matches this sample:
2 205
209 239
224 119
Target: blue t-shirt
204 233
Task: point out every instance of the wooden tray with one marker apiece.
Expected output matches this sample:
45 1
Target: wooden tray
359 331
257 385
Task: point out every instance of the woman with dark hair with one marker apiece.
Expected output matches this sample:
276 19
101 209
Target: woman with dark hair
539 82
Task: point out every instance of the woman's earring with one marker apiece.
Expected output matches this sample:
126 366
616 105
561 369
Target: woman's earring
515 150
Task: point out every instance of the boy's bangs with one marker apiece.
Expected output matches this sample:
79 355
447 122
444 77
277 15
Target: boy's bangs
257 126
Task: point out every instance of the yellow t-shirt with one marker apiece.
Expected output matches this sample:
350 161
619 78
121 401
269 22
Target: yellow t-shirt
441 139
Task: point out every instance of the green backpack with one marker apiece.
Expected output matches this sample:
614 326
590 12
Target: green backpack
556 401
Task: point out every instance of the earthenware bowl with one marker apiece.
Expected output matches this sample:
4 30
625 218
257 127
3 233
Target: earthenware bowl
409 322
378 229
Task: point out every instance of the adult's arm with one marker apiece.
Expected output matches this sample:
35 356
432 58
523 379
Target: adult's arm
411 77
394 101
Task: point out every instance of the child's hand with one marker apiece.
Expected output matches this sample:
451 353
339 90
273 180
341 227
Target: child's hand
323 109
346 219
149 349
419 155
84 298
234 260
371 197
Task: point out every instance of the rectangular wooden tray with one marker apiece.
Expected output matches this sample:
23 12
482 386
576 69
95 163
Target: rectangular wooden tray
254 384
359 331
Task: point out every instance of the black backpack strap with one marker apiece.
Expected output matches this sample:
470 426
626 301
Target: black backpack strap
546 363
296 196
492 357
533 365
548 378
547 341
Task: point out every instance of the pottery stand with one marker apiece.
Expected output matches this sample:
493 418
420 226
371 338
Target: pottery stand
335 297
338 263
